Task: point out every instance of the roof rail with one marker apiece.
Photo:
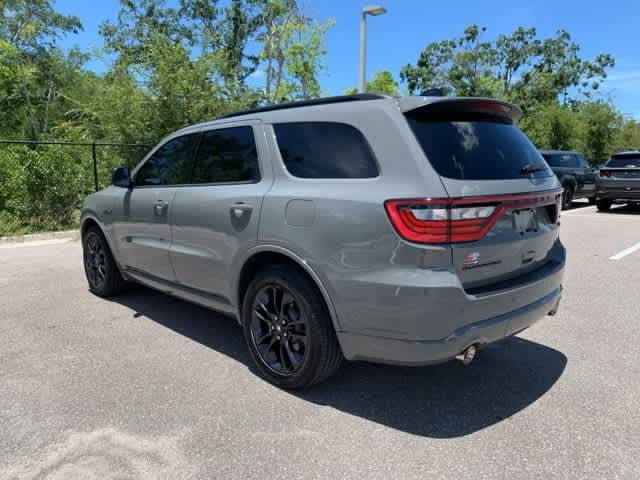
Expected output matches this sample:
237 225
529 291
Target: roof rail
309 103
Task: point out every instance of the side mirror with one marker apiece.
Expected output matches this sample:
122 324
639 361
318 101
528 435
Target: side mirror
121 177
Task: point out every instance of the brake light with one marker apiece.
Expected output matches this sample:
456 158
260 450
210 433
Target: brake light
493 107
605 173
455 220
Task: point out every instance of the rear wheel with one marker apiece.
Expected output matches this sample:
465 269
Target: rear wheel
567 197
603 204
592 200
99 266
288 329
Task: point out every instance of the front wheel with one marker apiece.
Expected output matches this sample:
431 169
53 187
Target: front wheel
592 200
100 268
288 329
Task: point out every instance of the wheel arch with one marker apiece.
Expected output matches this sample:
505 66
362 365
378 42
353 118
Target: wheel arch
264 256
87 223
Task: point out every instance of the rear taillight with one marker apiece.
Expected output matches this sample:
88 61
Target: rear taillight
455 220
605 173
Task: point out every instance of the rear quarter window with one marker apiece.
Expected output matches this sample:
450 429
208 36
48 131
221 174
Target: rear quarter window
325 150
476 147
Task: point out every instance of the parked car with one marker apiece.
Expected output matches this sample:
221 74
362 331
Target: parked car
577 176
406 231
619 180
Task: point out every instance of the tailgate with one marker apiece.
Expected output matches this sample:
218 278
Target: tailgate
520 241
503 198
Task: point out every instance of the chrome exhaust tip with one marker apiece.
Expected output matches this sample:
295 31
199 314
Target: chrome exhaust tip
467 355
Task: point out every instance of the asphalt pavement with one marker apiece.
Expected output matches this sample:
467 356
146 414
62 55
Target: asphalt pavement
148 386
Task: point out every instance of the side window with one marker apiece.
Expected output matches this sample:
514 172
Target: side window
171 164
227 155
573 161
325 150
582 162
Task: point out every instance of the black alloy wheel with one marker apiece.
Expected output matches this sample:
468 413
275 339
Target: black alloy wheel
288 328
279 329
101 270
95 261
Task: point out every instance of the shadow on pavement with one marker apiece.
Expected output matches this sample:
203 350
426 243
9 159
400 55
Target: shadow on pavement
624 209
441 401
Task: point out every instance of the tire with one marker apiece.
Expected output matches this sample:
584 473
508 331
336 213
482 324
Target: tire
592 200
603 204
567 197
288 329
100 268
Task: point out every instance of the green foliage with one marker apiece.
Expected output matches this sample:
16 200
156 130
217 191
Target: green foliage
601 123
520 67
28 32
382 82
42 188
552 126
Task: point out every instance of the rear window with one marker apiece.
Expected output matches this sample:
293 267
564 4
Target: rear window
476 147
562 160
624 161
324 150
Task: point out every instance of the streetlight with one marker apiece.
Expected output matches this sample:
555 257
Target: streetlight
373 10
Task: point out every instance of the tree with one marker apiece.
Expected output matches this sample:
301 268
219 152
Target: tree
601 122
382 82
292 52
519 67
29 30
552 126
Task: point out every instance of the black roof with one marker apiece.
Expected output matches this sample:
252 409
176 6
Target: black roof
310 103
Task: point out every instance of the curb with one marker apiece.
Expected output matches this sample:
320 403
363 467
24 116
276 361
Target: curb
36 237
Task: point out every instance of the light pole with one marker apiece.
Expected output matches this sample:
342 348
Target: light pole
373 10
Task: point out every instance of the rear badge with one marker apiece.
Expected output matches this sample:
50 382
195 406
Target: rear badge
472 259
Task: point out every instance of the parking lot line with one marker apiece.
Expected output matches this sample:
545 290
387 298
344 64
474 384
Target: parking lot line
625 252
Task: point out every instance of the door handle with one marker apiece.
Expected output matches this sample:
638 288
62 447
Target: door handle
160 207
239 208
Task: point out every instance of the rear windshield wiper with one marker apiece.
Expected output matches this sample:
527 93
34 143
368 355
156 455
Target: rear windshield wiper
533 167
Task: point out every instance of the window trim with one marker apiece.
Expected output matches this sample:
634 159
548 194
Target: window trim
200 133
227 126
325 179
160 145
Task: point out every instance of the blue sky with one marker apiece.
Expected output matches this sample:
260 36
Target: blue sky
397 37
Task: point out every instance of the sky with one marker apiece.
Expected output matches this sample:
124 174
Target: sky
397 37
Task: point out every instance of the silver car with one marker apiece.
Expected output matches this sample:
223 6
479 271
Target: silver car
406 231
619 180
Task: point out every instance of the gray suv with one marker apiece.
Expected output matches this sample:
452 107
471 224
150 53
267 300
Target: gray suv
406 231
619 180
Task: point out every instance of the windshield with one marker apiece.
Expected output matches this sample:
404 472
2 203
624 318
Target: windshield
477 148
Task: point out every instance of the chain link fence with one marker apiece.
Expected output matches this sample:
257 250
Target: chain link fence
42 184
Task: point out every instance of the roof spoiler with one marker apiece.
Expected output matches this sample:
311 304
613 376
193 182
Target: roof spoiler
466 104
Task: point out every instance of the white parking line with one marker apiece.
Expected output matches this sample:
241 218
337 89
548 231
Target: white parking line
625 252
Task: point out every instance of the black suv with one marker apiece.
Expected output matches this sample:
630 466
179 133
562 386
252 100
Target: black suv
577 176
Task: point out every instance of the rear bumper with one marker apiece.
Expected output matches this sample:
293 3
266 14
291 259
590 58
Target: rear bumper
425 352
620 194
421 316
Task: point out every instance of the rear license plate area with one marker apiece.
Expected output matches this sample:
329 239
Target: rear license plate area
525 221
